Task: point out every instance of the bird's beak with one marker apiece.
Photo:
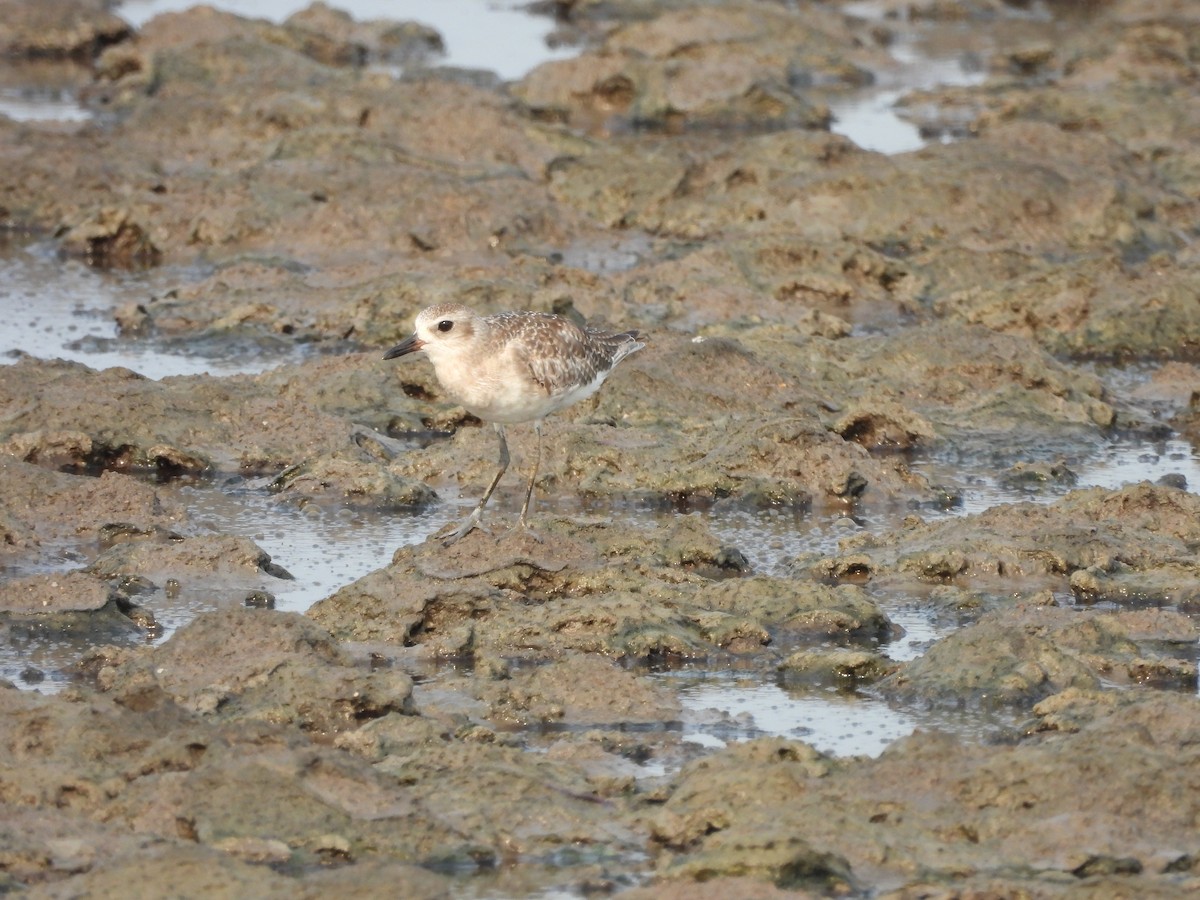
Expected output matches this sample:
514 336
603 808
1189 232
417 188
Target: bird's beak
410 344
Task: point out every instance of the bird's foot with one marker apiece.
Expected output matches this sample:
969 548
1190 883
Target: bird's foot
522 527
472 522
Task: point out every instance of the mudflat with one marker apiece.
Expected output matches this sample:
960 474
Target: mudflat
842 345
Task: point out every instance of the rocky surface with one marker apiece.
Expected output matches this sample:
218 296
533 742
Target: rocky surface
841 344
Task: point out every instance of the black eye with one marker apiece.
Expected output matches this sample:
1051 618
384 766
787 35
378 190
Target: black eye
445 325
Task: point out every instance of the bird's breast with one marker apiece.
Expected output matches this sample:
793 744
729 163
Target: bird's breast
498 390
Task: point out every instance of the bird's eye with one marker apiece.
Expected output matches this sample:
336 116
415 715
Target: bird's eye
445 325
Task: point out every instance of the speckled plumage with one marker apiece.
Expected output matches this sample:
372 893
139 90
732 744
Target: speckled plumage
514 367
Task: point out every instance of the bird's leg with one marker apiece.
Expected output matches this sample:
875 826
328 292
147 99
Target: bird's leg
473 520
537 459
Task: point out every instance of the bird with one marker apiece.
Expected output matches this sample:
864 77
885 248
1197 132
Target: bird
513 367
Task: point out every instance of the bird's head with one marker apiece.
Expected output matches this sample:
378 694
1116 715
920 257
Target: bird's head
440 330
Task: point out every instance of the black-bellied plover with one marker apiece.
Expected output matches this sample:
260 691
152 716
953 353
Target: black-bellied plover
513 367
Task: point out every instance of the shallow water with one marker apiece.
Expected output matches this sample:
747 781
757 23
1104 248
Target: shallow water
478 34
722 708
870 117
30 104
1125 460
54 308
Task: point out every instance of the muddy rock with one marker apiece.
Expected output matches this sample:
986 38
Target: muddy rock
1017 657
609 771
73 602
111 236
1038 476
842 668
1136 532
896 203
66 852
592 587
714 888
964 383
797 608
259 665
884 425
46 509
1188 418
1002 797
158 871
694 811
50 594
174 426
994 661
662 193
1092 308
507 800
826 325
1126 79
75 29
165 772
333 37
578 690
351 482
740 66
48 497
318 141
170 575
222 555
1172 584
821 285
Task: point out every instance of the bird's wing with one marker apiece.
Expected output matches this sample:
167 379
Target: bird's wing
557 354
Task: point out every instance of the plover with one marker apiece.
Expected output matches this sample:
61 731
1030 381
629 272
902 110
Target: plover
513 367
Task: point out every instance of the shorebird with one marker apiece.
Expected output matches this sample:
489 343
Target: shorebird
513 367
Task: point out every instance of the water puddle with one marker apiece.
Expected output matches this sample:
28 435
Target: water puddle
323 548
1123 461
52 308
478 34
721 708
870 117
30 104
1120 464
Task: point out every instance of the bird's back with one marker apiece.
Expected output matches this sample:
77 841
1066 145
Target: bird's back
560 362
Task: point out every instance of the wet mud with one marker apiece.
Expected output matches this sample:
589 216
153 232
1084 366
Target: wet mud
779 494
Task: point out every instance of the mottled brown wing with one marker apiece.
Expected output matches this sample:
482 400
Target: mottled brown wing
559 355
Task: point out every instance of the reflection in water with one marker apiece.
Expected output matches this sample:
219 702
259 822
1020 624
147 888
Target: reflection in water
720 708
478 34
1121 462
26 105
324 548
833 722
52 308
